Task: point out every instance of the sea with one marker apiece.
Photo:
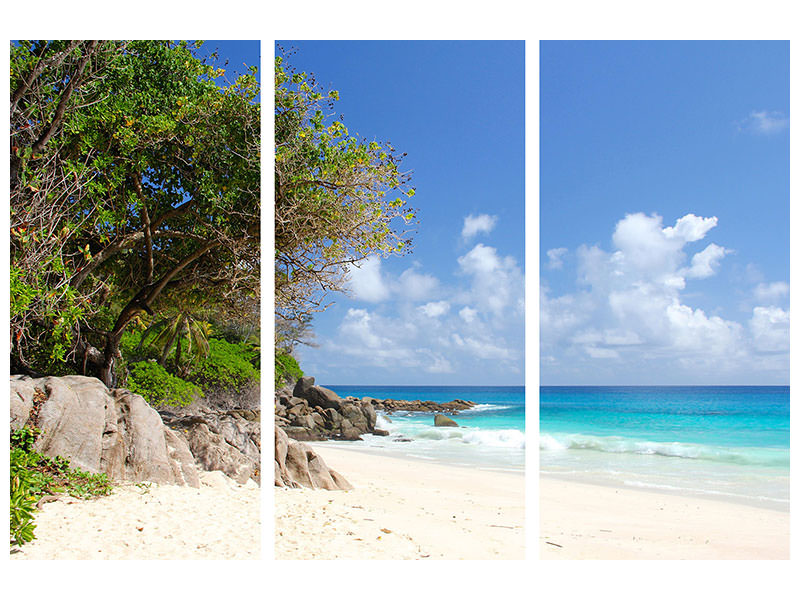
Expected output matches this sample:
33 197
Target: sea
726 442
490 436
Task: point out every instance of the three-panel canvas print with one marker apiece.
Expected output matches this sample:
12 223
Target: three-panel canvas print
372 232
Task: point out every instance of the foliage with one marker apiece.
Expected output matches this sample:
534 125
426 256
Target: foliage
286 369
228 366
331 205
133 177
34 475
183 332
153 383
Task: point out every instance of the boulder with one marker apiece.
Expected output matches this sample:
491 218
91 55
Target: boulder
443 421
100 430
226 441
323 397
298 465
302 386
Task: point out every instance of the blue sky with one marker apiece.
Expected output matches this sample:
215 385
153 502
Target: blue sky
235 56
452 311
664 213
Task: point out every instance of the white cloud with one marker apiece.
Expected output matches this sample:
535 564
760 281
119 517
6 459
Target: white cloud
764 122
630 311
414 285
704 263
770 329
556 256
435 309
475 224
366 281
771 292
468 314
497 281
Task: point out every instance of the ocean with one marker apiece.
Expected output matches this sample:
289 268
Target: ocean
724 442
490 436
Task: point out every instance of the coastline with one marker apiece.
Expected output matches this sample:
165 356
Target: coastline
590 521
402 509
219 520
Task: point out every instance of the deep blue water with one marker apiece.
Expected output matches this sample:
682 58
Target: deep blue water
731 440
491 435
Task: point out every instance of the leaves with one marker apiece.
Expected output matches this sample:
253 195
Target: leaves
330 188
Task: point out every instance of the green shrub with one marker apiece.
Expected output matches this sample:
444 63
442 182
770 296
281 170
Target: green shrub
34 475
286 369
228 366
152 382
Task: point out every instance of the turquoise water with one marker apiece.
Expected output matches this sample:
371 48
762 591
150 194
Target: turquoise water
730 442
491 435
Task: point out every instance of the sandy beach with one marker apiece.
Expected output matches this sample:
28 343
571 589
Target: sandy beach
220 520
584 521
402 509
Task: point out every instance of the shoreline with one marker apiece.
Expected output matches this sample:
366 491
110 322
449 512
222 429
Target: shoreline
581 520
399 510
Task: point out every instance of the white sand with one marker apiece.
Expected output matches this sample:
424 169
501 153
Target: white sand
220 520
598 522
402 509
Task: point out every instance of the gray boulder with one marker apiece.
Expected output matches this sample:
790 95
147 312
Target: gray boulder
100 430
298 465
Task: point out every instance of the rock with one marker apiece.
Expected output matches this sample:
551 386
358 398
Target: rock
101 431
323 397
443 421
302 386
215 454
382 432
298 465
225 441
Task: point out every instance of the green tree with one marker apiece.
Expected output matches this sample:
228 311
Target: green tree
182 331
133 175
332 203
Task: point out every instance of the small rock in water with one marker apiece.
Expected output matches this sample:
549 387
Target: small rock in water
444 421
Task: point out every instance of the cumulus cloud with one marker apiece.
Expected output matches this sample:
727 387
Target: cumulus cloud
770 329
435 309
764 122
468 314
497 281
704 263
473 326
416 286
475 224
771 292
366 281
629 311
556 258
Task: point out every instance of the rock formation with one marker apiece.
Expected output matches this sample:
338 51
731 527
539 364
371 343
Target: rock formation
118 433
100 430
297 465
311 412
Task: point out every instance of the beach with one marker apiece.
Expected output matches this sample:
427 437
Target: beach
402 509
587 521
219 520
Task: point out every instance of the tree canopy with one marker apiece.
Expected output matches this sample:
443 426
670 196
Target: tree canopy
134 182
338 199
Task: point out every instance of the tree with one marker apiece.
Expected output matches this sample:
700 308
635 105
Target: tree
132 175
185 332
331 205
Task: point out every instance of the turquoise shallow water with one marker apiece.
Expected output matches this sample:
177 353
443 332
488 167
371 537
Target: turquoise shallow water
730 442
489 436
